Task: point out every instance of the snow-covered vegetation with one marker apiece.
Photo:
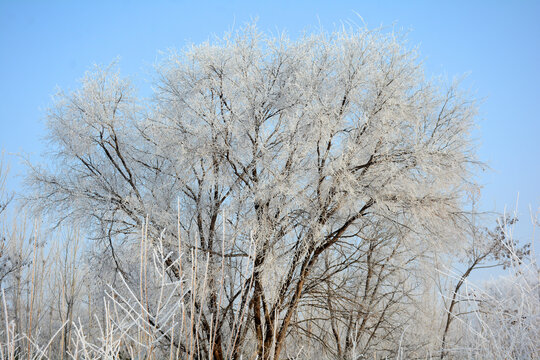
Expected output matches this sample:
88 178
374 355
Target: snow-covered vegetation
274 199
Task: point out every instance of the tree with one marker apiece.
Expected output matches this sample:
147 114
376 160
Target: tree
280 158
8 263
485 249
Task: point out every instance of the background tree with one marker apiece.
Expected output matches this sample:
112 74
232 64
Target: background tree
273 160
484 249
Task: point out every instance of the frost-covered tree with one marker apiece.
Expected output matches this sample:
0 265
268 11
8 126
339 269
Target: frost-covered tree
281 165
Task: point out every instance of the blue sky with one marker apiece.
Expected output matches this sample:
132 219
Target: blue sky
47 44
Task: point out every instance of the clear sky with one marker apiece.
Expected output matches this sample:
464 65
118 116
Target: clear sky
45 44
